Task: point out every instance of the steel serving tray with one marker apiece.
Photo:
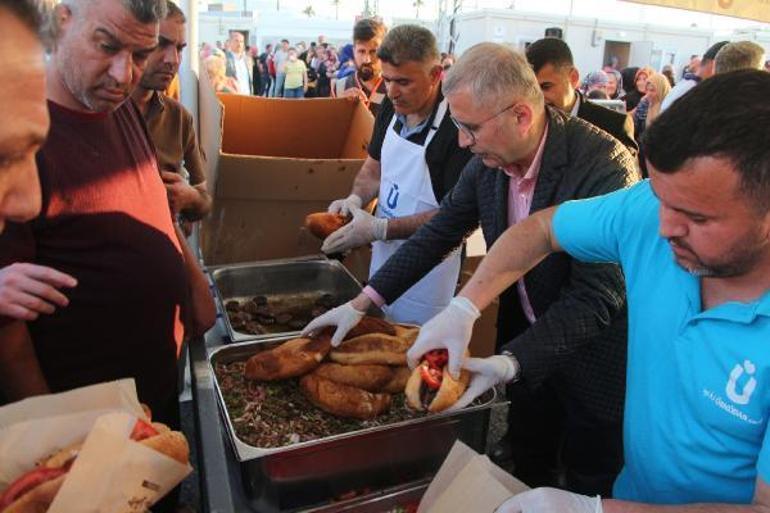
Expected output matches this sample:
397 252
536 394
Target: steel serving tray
309 474
280 279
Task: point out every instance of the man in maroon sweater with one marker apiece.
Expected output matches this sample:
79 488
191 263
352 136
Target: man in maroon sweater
105 220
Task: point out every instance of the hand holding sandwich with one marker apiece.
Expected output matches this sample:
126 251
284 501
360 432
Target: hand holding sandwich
361 230
450 329
485 373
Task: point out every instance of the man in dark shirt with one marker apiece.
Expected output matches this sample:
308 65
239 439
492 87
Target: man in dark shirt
366 83
558 77
104 219
267 79
414 161
564 324
171 126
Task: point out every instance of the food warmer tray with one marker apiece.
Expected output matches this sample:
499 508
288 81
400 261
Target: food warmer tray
309 474
284 278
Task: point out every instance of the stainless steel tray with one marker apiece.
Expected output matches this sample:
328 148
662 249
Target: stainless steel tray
276 278
308 474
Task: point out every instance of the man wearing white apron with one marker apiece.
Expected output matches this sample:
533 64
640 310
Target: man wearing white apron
414 159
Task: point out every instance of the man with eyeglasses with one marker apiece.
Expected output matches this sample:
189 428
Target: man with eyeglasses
564 324
414 161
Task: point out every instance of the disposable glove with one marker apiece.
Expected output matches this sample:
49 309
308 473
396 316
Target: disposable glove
362 229
344 318
485 373
450 329
345 205
551 500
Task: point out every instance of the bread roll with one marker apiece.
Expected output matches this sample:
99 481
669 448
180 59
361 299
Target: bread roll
374 348
291 359
397 384
171 443
450 391
38 499
369 325
343 400
371 378
323 224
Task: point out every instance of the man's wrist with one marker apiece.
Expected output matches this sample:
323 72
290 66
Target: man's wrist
466 306
368 297
356 198
514 372
365 299
380 228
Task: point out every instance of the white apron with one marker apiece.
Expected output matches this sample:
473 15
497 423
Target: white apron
405 189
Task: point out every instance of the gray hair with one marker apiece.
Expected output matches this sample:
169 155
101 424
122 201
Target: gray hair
493 73
739 55
408 43
145 11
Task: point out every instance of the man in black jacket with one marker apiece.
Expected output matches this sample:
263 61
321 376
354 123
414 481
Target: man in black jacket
565 323
558 77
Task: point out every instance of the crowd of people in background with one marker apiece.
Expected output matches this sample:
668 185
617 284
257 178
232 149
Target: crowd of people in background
323 70
286 70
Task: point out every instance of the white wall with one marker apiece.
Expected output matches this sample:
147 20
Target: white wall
271 27
514 28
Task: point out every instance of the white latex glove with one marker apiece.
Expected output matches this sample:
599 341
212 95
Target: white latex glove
28 290
362 229
344 317
345 205
485 373
551 500
450 329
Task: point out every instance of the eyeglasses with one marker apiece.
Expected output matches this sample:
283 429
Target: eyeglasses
471 132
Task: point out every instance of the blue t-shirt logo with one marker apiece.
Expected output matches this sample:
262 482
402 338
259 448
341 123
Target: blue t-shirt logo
392 200
748 387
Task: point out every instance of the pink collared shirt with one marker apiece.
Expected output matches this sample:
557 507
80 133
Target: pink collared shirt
520 192
521 189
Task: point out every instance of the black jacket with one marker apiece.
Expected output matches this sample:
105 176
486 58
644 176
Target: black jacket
580 334
620 126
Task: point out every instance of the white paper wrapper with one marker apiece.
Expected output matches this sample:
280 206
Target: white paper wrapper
468 481
114 474
35 428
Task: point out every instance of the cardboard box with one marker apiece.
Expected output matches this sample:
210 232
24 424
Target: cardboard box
275 162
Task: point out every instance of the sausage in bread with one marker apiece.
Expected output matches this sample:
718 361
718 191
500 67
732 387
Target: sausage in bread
431 387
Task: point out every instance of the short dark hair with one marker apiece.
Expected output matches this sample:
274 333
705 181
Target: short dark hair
725 116
174 11
549 50
26 11
712 52
407 43
367 29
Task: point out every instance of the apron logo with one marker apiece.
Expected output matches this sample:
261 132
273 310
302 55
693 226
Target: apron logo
748 388
392 200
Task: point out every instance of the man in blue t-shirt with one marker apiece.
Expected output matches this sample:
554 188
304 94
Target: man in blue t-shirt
694 245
